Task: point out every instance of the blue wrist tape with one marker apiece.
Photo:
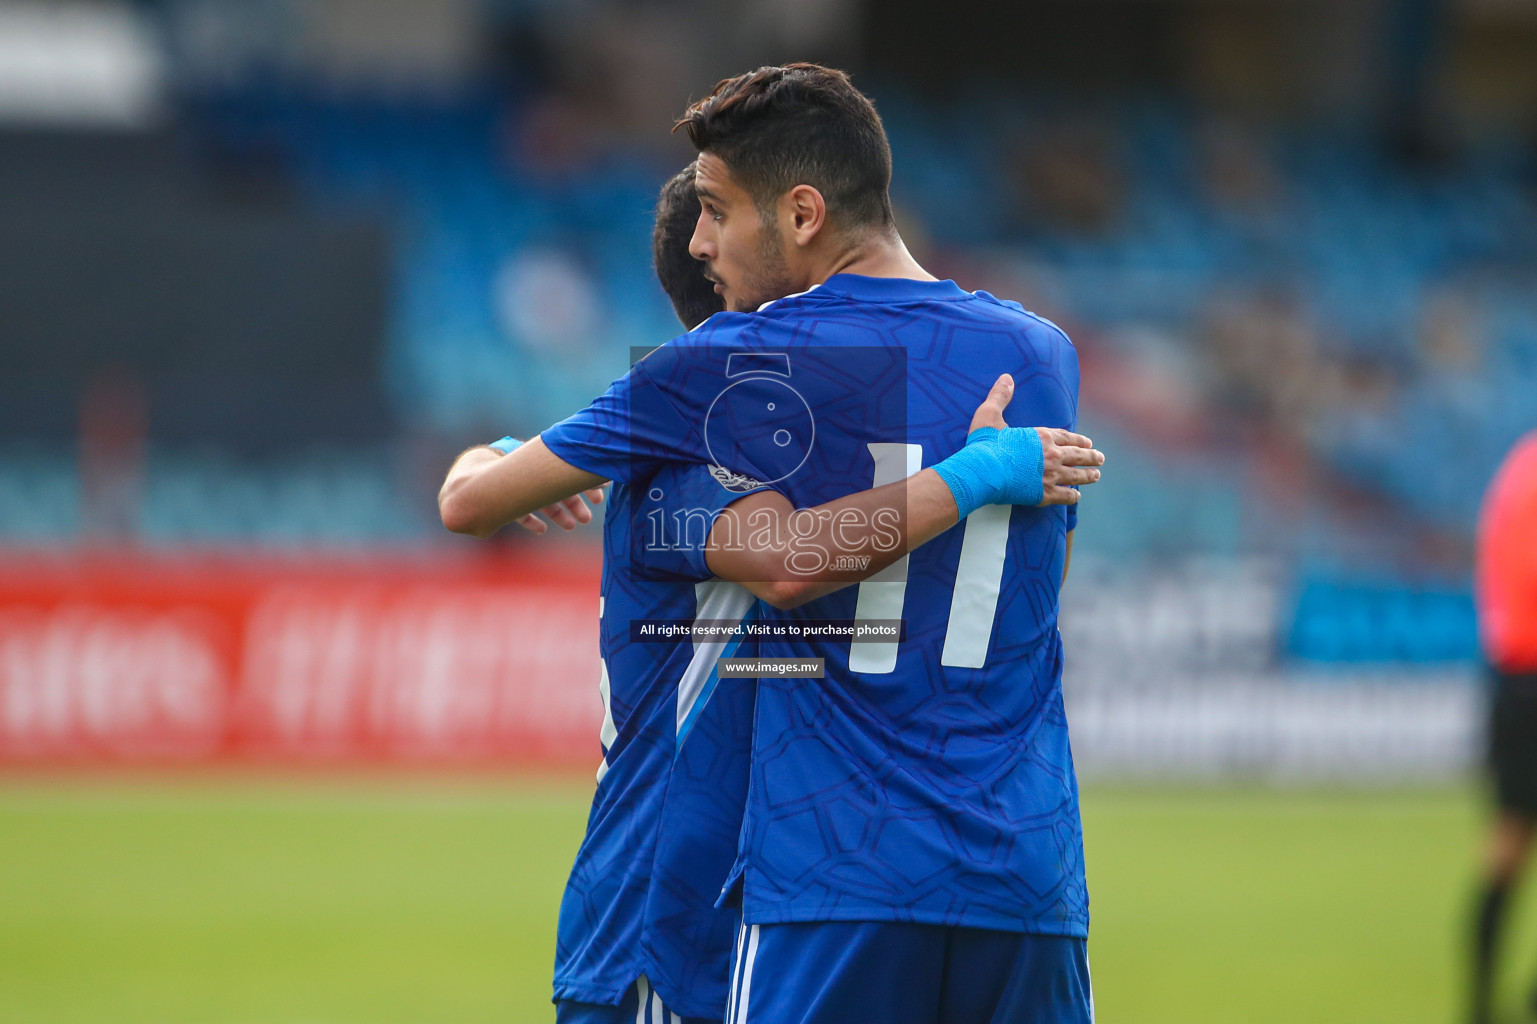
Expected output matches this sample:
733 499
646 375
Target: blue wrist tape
997 467
506 444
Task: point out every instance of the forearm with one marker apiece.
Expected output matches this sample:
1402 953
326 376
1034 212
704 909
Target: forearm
788 557
459 491
485 490
901 516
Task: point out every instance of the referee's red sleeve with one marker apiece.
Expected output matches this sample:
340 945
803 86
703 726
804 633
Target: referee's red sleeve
1506 570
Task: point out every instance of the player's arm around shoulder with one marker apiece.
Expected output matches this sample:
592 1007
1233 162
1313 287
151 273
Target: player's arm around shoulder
787 557
486 489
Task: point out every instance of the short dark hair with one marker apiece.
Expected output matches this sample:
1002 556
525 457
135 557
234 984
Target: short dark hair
677 211
801 124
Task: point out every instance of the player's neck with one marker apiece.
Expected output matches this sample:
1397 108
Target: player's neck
882 255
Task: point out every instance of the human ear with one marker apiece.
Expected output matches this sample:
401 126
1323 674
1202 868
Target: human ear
806 212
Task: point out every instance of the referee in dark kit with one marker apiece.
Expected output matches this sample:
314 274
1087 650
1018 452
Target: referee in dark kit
1506 593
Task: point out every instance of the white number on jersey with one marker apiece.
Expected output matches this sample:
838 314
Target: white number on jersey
978 578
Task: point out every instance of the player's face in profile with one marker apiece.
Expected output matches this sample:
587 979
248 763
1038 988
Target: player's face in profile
742 253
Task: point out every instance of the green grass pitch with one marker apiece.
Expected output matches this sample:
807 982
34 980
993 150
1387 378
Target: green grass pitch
345 901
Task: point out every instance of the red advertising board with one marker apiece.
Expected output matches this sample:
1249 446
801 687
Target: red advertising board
191 658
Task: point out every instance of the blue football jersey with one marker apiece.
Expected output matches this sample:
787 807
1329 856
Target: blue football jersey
930 778
667 813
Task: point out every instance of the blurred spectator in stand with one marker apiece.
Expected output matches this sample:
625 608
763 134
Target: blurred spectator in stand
1263 347
112 456
1269 384
1067 178
1240 181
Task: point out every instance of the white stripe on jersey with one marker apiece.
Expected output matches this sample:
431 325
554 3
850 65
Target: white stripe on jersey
713 599
752 954
1087 969
609 731
649 1008
736 973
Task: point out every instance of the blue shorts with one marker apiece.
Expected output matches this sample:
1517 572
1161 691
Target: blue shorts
640 1005
833 972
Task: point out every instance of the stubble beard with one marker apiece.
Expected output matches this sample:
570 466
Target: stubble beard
769 279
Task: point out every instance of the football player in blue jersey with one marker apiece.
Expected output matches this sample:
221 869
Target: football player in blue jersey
912 849
640 937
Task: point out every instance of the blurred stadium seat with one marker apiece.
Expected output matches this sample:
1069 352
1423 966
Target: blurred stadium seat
1289 330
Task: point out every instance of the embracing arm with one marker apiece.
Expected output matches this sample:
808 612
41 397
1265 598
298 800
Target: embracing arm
485 490
756 540
788 557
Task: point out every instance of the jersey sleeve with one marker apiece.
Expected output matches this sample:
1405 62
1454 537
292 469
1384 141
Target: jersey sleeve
651 416
685 500
624 432
1047 396
1046 391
